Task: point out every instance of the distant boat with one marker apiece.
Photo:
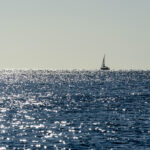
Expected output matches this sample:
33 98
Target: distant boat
103 67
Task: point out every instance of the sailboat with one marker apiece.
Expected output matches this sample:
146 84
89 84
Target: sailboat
103 67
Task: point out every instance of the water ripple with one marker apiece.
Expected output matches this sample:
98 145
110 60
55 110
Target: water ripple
74 110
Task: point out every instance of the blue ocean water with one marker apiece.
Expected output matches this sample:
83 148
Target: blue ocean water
75 110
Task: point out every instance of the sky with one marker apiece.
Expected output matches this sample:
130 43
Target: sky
74 34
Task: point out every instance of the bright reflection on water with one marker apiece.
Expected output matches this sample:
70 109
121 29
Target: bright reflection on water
74 110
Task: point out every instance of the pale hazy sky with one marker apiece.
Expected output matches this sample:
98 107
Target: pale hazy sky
74 34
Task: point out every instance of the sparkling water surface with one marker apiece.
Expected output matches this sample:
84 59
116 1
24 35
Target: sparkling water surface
75 110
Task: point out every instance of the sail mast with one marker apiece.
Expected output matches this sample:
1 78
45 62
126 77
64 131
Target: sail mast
103 64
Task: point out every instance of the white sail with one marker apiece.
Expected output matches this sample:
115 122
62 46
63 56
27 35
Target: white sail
103 63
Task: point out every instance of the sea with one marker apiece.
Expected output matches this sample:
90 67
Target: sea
74 110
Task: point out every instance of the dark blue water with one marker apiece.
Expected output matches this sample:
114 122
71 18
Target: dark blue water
75 110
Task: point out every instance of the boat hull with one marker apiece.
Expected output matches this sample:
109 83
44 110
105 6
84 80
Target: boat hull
105 68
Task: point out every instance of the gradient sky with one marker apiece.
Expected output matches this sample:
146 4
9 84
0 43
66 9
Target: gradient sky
74 34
